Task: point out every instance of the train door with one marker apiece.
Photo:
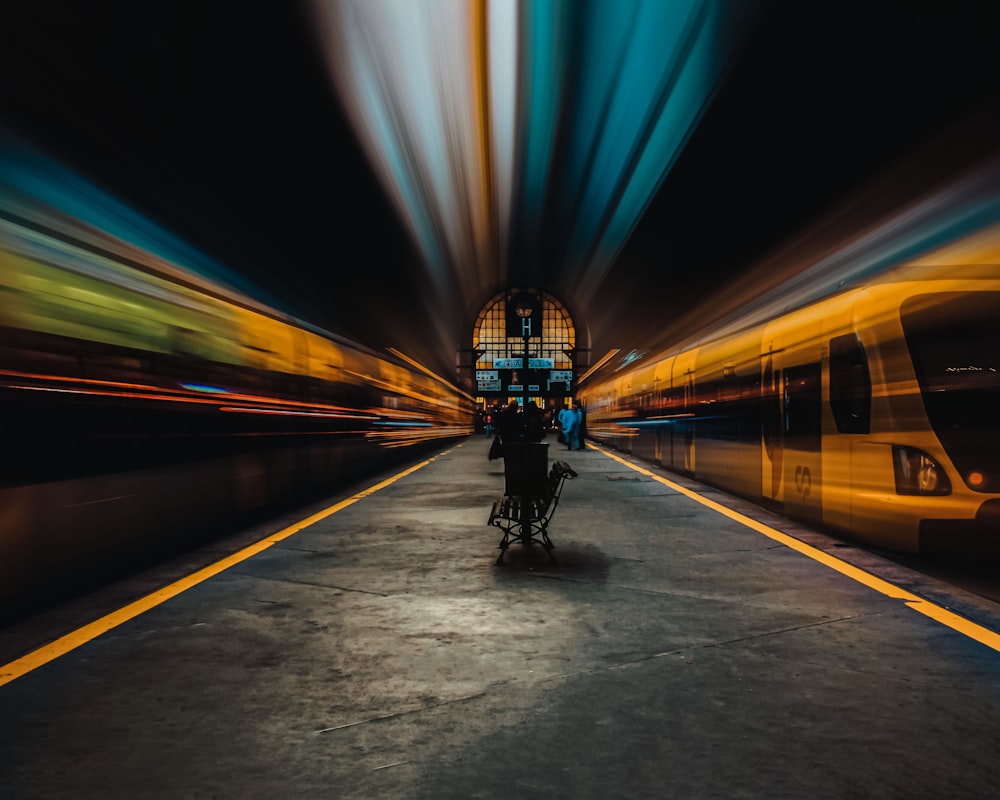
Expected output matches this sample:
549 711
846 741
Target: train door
850 398
803 433
671 437
654 431
661 412
793 438
772 487
682 378
627 408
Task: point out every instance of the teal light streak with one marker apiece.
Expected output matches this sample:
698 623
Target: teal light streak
590 103
29 180
542 82
675 55
197 387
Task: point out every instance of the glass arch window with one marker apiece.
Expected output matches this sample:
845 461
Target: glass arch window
557 340
549 377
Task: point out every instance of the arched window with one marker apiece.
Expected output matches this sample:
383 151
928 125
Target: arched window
554 342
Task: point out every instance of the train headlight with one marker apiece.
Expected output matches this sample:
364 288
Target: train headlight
918 473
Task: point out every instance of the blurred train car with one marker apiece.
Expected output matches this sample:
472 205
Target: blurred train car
145 408
874 413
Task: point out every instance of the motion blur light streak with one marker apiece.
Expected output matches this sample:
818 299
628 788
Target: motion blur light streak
640 102
430 373
208 389
957 223
36 188
502 79
286 413
522 141
129 379
870 411
403 77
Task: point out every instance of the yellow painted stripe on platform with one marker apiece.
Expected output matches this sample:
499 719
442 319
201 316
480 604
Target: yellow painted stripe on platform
949 618
60 647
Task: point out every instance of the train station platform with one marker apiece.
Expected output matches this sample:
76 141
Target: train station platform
685 645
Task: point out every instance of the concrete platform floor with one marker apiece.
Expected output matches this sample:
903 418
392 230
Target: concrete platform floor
378 653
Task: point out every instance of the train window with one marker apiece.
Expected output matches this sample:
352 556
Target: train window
734 414
803 426
850 385
954 341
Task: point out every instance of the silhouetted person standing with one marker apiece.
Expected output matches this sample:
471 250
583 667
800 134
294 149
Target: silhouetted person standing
534 423
510 424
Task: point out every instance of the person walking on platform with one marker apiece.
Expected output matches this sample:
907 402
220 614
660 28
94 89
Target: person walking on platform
579 427
567 421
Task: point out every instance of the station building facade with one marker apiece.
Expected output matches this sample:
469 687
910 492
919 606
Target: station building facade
525 346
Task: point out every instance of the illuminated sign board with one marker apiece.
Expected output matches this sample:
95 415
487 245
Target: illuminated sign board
561 375
487 375
508 363
539 363
489 385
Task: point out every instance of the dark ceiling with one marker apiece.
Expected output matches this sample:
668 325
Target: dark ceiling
218 120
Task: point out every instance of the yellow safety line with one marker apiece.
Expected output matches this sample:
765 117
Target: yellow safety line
63 645
949 618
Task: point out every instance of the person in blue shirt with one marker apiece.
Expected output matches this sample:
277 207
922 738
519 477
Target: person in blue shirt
579 427
567 422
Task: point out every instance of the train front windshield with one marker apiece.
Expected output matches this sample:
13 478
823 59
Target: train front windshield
954 341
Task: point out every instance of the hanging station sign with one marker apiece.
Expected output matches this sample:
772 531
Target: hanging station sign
488 380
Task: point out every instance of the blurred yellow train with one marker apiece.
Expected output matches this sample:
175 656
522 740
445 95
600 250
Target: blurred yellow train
144 407
875 412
